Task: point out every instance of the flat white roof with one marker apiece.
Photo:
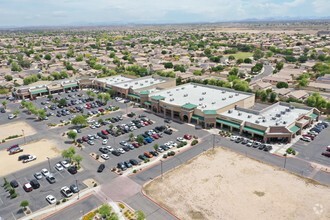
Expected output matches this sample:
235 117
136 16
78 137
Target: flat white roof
140 83
114 79
277 115
205 97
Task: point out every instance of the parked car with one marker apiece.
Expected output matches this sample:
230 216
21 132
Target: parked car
134 162
66 191
187 136
14 183
142 157
121 166
73 170
27 187
31 158
100 168
51 179
51 199
105 156
74 188
59 167
38 176
116 153
148 155
65 164
327 154
23 157
15 150
35 184
307 139
45 172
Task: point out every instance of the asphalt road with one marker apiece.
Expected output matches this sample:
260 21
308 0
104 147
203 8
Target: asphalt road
268 70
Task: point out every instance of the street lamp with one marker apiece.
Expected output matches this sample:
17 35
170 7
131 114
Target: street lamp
161 168
50 168
77 187
24 136
284 161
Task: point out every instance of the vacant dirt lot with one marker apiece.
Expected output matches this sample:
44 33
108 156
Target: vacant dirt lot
225 185
16 128
42 149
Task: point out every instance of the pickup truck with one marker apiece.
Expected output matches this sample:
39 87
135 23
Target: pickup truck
31 158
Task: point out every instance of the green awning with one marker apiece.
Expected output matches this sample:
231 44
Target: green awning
147 103
145 92
133 96
189 106
228 123
70 85
38 91
210 112
313 116
158 97
197 117
294 129
254 130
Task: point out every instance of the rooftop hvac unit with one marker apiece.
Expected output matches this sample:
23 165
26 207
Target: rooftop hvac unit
287 109
230 96
291 107
249 116
171 94
126 85
263 120
146 81
136 83
278 115
185 95
172 99
230 111
182 88
236 94
201 99
213 103
257 121
177 89
276 123
141 84
283 112
273 118
203 93
223 98
284 122
151 82
168 91
200 104
239 113
195 86
223 92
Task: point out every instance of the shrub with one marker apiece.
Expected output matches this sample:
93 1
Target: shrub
64 200
171 153
134 171
194 142
165 156
122 206
58 202
95 184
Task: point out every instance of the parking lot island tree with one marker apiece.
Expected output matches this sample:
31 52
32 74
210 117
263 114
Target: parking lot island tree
140 139
131 136
79 120
72 135
140 215
24 204
4 104
69 153
77 159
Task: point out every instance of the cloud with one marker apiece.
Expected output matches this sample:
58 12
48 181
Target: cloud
67 12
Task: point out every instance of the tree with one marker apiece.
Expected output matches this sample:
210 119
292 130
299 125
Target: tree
50 97
257 68
279 66
272 97
155 146
77 159
8 78
258 54
140 215
247 60
79 120
100 96
15 67
41 114
168 65
72 135
140 139
62 102
48 56
233 71
16 112
24 204
131 136
263 95
280 85
4 104
106 97
69 153
105 210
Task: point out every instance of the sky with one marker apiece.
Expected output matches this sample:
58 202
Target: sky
20 13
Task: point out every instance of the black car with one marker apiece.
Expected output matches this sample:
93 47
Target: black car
262 146
73 170
142 157
154 153
101 168
51 179
79 140
167 121
134 162
168 131
23 157
74 188
104 150
14 183
126 148
116 153
35 184
128 164
121 166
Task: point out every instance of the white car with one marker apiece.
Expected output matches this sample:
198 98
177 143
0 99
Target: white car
31 158
11 116
59 167
45 172
105 156
51 199
38 175
121 150
180 139
233 138
105 141
92 127
110 149
66 191
249 144
65 164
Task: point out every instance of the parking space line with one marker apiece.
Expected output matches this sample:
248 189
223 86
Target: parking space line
1 201
60 173
13 215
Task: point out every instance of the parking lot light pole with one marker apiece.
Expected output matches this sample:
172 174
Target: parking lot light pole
284 160
50 168
77 187
24 136
161 168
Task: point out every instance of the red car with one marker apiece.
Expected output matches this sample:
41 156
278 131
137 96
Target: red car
136 144
155 136
145 123
15 150
27 187
105 132
308 135
84 138
327 154
101 109
149 155
12 147
187 136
